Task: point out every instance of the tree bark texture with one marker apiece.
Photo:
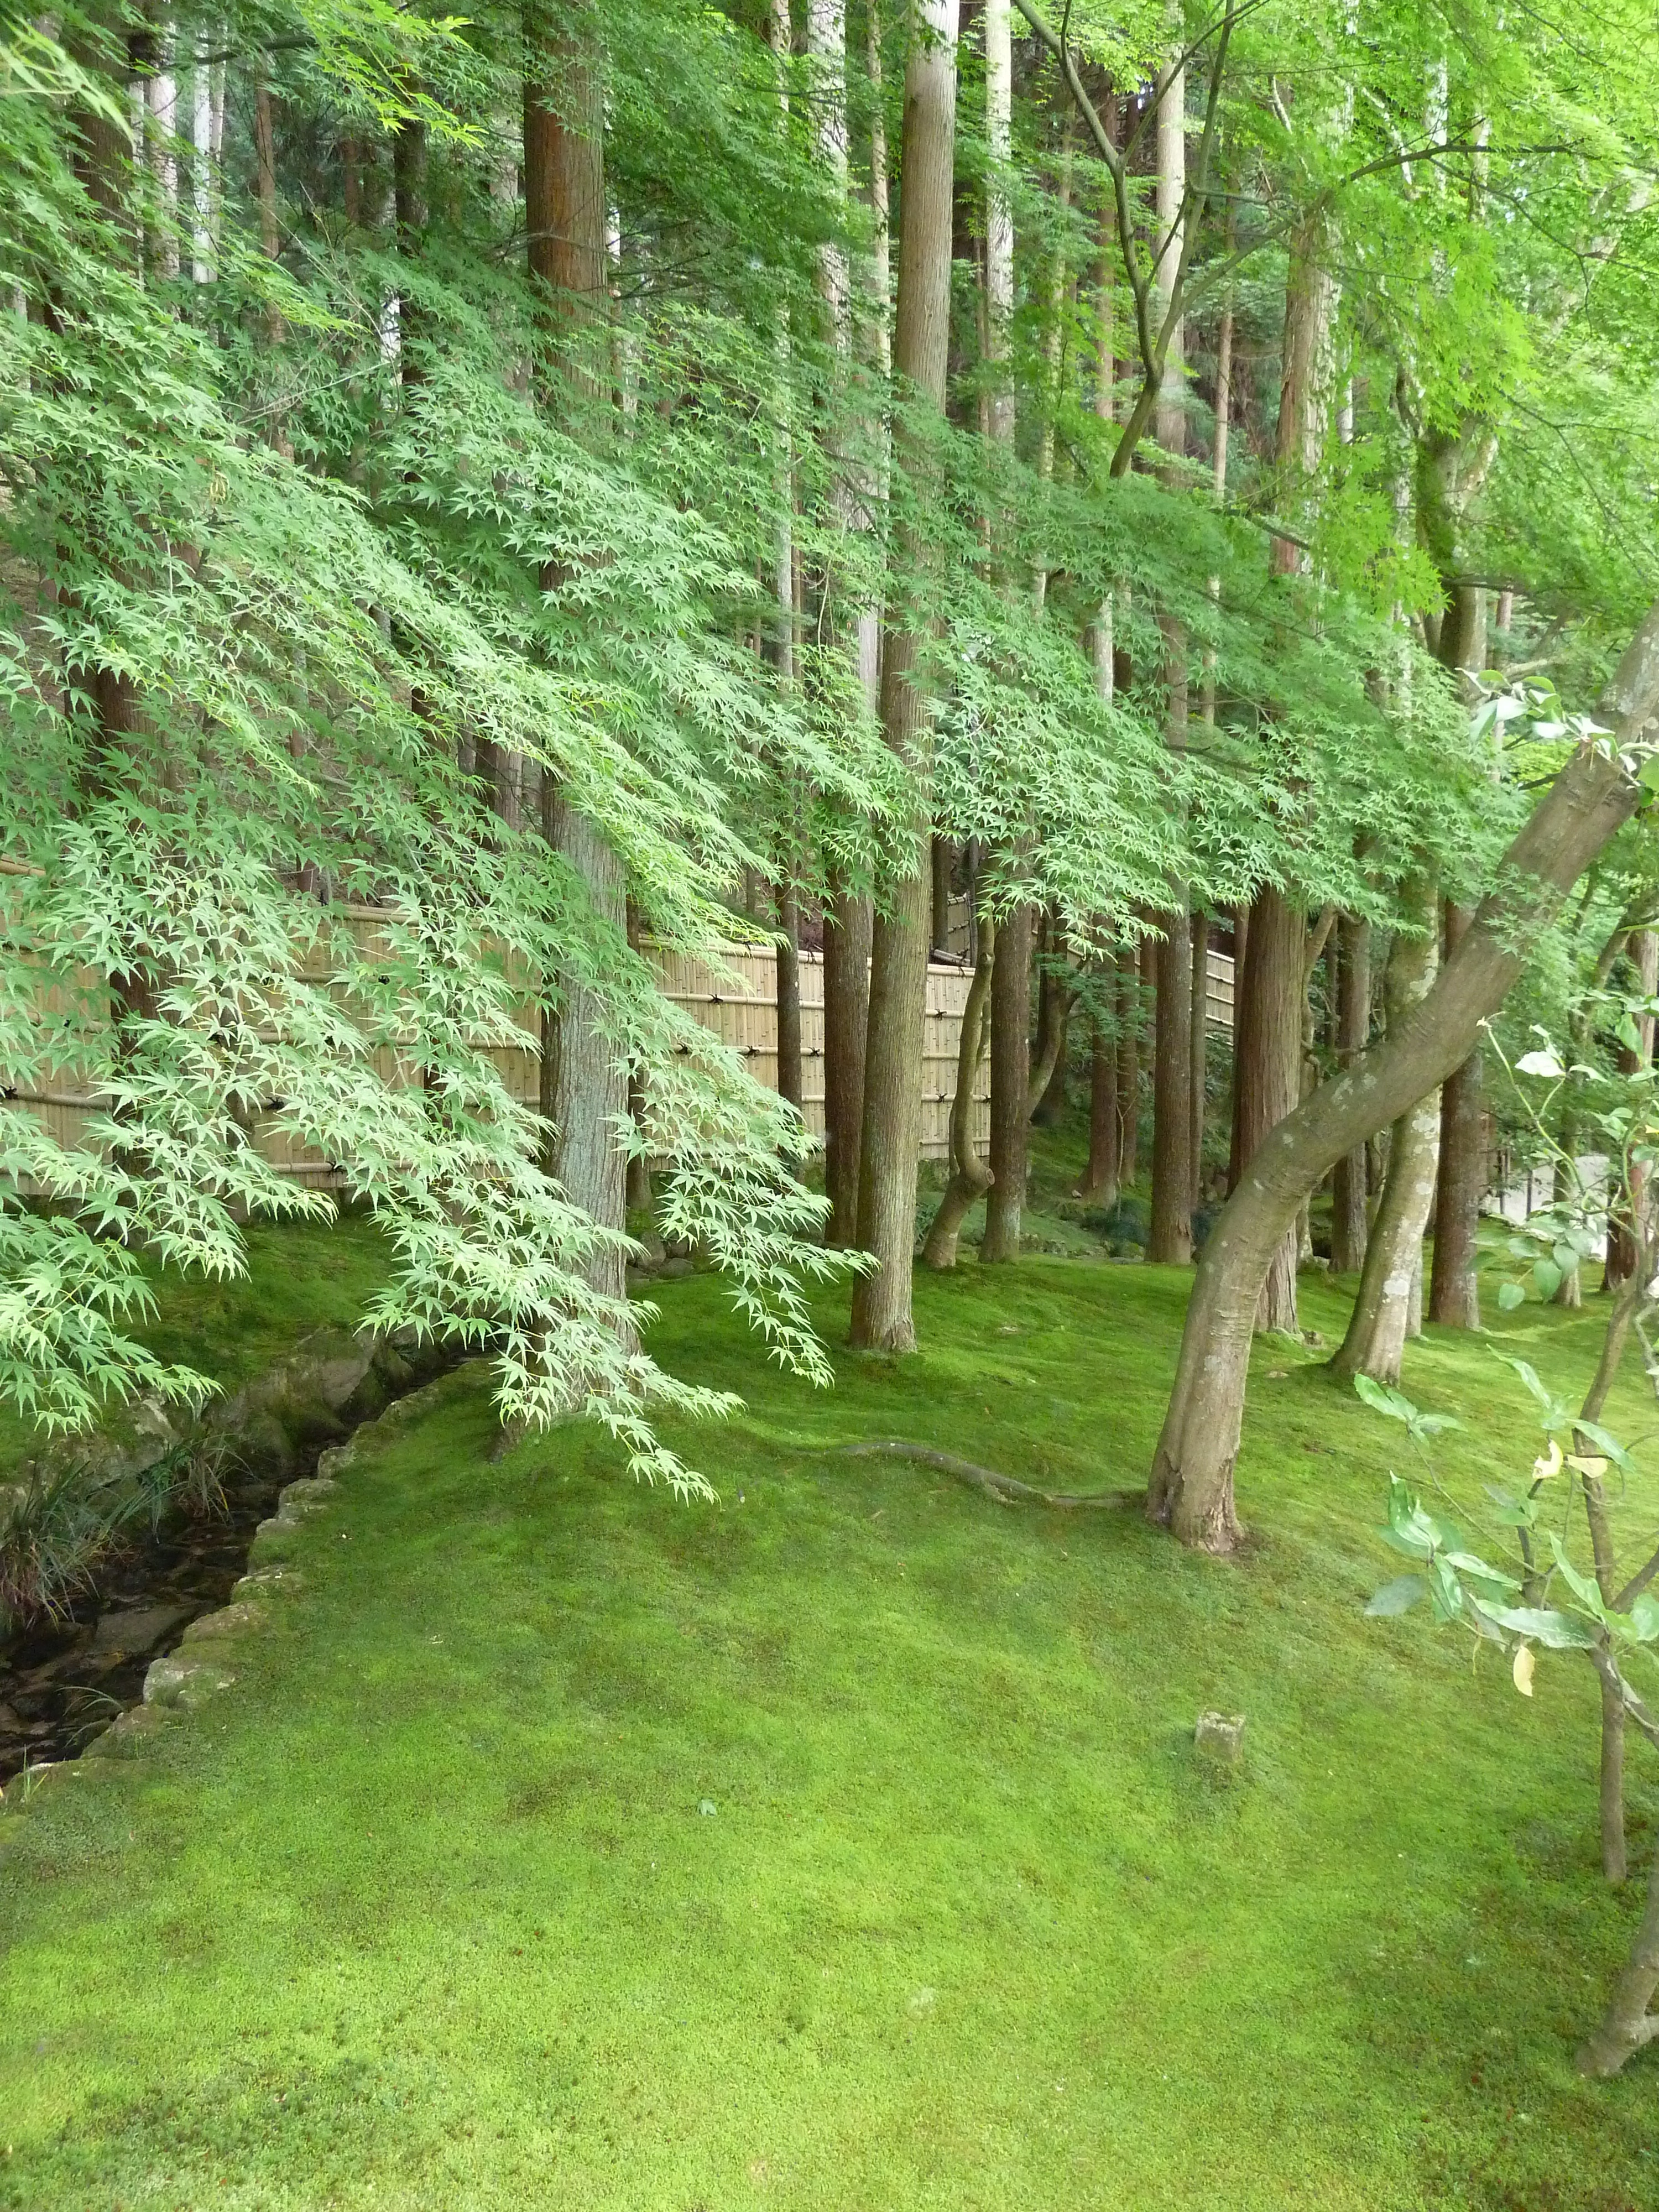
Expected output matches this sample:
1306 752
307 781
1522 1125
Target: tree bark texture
847 928
1627 2025
1268 1066
1199 1051
1455 1287
1100 1177
1387 1308
970 1177
1010 1087
584 1083
788 993
1191 1486
1349 1220
1135 978
1621 1257
881 1313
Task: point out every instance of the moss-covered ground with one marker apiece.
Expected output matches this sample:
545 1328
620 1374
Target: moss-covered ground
842 1845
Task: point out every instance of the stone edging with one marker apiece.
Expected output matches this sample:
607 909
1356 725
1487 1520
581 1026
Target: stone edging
204 1662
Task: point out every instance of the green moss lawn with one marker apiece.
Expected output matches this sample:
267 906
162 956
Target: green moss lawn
429 1910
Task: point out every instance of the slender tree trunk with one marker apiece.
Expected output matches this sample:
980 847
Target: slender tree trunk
970 1177
1100 1177
1133 987
1455 1287
1268 1066
1622 1258
1053 1023
1627 2025
941 856
1387 1309
847 918
1169 1238
788 989
881 1314
1199 1064
1349 1223
584 1086
1010 1084
1191 1488
847 927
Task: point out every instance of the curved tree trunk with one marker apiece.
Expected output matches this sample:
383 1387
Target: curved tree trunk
1387 1309
970 1177
1191 1486
1010 1087
891 1136
1349 1221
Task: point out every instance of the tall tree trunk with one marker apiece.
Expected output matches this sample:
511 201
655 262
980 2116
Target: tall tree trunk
1387 1309
1198 1058
1349 1220
939 928
789 990
1054 1019
1268 1066
584 1086
1455 1287
1622 1253
1010 1083
1191 1487
970 1177
1100 1177
1169 1238
881 1314
847 917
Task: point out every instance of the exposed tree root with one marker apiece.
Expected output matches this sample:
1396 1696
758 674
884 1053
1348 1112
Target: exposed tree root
1003 1488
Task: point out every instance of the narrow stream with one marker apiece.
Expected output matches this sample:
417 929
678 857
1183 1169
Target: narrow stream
63 1681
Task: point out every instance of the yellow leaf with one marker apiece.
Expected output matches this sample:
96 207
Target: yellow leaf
1521 1669
1588 1464
1542 1469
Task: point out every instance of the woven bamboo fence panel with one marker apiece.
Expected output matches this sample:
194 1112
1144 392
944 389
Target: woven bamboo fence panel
733 992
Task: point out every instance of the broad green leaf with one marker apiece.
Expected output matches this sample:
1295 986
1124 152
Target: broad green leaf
1559 1631
1583 1587
1528 1374
1546 1278
1610 1444
1509 1295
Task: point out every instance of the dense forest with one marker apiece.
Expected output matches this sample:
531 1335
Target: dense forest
490 498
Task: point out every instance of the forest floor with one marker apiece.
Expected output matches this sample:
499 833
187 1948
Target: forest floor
842 1844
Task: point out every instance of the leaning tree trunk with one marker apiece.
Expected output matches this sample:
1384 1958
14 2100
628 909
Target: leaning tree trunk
1349 1222
891 1136
1267 1067
789 991
1388 1308
1191 1486
970 1177
1010 1088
